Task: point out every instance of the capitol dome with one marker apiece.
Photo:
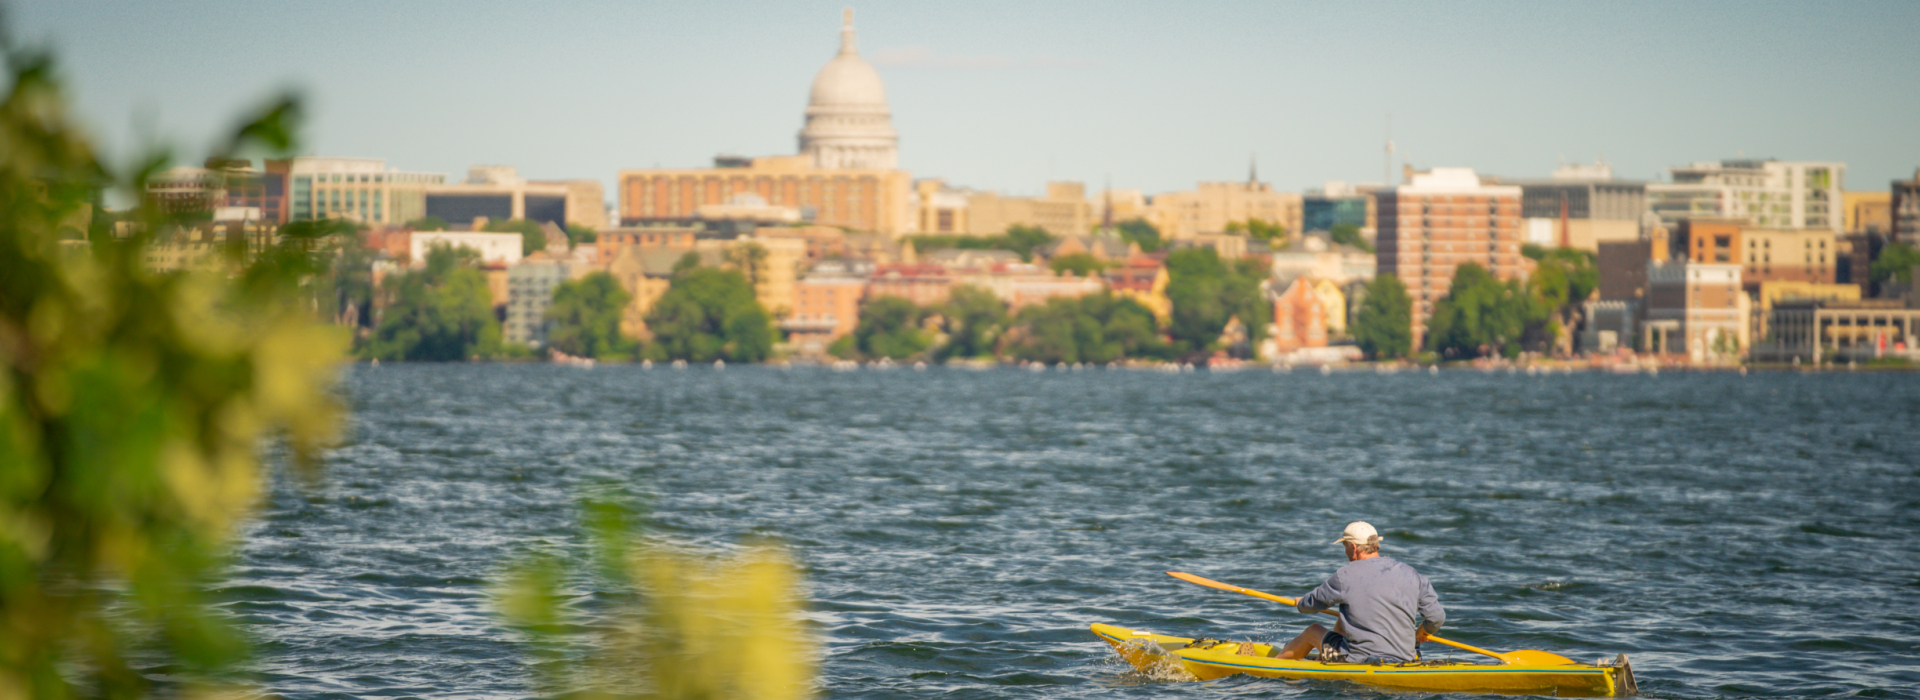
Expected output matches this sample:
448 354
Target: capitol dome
848 123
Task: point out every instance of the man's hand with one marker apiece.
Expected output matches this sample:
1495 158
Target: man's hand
1420 635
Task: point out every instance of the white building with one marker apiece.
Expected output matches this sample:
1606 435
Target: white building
848 123
1769 193
356 189
529 292
494 248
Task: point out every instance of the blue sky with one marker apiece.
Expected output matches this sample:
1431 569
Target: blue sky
1009 95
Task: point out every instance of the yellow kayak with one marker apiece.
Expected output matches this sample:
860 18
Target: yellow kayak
1207 659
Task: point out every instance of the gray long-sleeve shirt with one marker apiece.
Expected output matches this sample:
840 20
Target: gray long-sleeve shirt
1378 598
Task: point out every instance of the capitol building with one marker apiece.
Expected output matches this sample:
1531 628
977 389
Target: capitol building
845 174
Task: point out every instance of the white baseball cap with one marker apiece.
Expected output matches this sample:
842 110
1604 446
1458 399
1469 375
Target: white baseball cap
1359 532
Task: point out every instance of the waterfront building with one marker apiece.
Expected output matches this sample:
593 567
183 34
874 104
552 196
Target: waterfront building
826 306
645 273
1581 207
363 190
1709 240
1819 331
530 287
1772 293
772 265
939 208
1771 193
1143 279
1299 318
1696 309
1867 212
1440 220
1623 268
497 192
495 249
1024 284
846 173
608 243
921 283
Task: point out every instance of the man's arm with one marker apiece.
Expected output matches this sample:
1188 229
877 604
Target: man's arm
1434 616
1324 597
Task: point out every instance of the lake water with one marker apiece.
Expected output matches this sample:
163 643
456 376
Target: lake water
1736 535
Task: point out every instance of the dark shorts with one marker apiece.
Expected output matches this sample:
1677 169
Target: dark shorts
1333 648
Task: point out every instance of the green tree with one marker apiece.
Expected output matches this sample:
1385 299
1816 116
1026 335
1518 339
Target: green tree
1140 232
1097 328
751 260
1349 234
579 234
1482 316
133 408
1384 325
532 238
1023 239
1260 229
428 223
442 313
1895 262
1207 291
890 327
709 314
975 322
585 317
1562 281
1078 264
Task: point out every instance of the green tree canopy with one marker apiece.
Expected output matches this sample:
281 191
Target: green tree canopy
1078 264
975 322
1140 232
1349 234
1482 316
890 327
1022 240
709 314
1259 228
1383 328
579 234
531 237
442 313
585 314
428 223
1097 328
1895 262
1207 291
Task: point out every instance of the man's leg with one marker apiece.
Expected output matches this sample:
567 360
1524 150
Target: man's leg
1308 639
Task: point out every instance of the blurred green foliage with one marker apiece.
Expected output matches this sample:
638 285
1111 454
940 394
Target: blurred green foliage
532 237
1349 234
132 408
585 318
1383 327
675 625
975 321
440 313
1022 240
1077 264
890 328
1482 316
709 314
1097 328
1207 292
1141 232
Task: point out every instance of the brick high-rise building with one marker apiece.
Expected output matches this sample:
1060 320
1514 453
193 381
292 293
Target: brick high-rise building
1443 219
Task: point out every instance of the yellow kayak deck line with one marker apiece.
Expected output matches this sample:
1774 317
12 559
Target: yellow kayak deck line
1180 657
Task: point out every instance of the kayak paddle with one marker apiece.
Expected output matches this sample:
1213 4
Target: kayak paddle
1521 656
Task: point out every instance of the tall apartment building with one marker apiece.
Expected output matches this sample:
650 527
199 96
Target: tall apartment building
1771 193
1906 210
1440 220
356 189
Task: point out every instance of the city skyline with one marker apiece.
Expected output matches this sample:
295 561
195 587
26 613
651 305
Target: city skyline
1007 97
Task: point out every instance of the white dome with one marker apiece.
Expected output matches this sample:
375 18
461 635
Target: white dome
848 81
848 124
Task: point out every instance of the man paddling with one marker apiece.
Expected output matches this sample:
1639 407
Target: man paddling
1378 598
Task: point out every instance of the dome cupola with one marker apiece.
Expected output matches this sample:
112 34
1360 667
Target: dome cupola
848 124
